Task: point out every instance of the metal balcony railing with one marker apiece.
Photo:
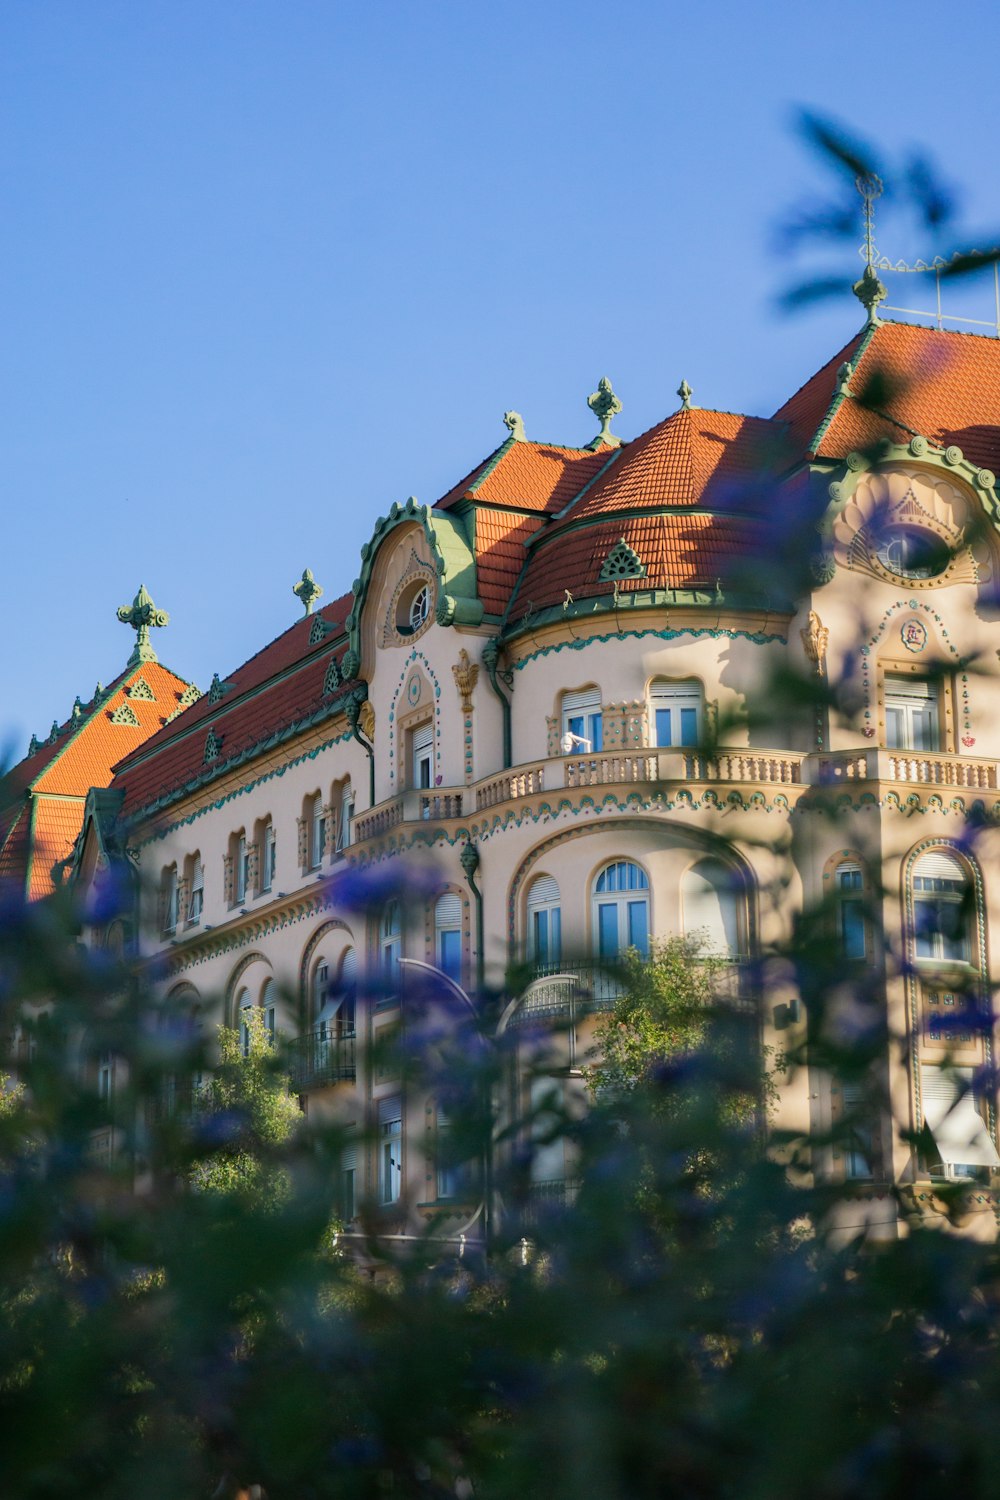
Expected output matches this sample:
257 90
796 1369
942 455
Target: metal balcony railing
321 1058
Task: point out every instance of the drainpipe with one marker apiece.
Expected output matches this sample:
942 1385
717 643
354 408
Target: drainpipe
469 859
352 708
491 657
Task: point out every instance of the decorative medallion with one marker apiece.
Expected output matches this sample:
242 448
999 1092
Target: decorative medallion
413 690
913 634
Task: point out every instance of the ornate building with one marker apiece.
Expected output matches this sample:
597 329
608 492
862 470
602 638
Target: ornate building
562 694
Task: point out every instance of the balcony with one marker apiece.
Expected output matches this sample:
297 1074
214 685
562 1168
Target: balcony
910 767
652 768
319 1060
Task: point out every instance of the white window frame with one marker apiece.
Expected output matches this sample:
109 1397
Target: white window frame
196 901
422 755
170 901
448 921
940 883
390 944
912 714
544 903
390 1149
268 857
344 821
242 868
678 700
961 1136
581 722
858 1151
852 917
621 900
420 608
317 832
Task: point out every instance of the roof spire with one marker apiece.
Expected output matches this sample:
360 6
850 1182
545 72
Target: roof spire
605 405
307 590
142 614
685 393
869 291
514 423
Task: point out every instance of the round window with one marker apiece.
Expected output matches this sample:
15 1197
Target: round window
911 553
413 608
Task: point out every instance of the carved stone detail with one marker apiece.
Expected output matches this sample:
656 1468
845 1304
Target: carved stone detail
253 866
140 688
302 824
815 636
125 714
466 675
228 887
366 720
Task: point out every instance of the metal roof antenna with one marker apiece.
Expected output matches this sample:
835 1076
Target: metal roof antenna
870 291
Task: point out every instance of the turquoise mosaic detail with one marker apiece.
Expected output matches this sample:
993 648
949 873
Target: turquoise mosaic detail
757 637
415 656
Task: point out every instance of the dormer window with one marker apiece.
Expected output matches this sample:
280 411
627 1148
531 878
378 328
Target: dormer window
911 552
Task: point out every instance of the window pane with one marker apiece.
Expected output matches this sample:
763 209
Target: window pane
574 725
852 929
663 735
596 735
540 937
450 953
925 732
555 936
689 726
638 926
895 736
607 929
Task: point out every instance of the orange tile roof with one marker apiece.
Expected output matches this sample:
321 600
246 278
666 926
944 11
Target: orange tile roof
56 824
679 552
696 457
56 779
529 476
500 554
945 386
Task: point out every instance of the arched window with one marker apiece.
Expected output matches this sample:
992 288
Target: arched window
675 713
852 921
196 900
242 1008
621 909
582 726
168 899
710 908
391 944
268 856
317 831
334 999
269 1005
448 935
941 914
241 865
544 922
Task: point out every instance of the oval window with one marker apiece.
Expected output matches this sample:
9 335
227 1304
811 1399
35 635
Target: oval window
413 608
911 553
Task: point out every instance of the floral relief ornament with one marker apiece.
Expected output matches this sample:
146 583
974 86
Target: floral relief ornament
815 636
466 674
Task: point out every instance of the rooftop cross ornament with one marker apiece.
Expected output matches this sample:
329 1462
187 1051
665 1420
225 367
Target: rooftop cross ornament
307 590
142 614
605 405
870 291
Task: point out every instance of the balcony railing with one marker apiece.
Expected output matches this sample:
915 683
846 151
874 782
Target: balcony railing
909 766
567 991
652 767
319 1059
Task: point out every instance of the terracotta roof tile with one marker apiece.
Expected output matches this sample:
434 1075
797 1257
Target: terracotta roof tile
529 476
57 823
696 457
945 386
679 551
500 554
14 844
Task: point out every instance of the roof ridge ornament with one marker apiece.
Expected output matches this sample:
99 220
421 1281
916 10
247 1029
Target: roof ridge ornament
870 291
514 423
307 590
685 393
143 615
844 373
605 405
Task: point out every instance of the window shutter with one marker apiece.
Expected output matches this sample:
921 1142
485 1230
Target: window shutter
939 866
448 911
910 687
390 1111
690 692
588 700
544 891
959 1131
349 967
423 737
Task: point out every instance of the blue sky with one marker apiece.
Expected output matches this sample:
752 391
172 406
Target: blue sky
270 265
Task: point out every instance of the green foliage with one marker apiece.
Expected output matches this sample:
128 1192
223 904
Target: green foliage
248 1095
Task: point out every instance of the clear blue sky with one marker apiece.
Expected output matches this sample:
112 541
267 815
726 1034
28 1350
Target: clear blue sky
269 265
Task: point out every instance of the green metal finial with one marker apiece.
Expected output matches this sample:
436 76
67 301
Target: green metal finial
605 405
53 733
34 745
307 590
870 292
684 391
76 713
142 614
844 374
514 423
